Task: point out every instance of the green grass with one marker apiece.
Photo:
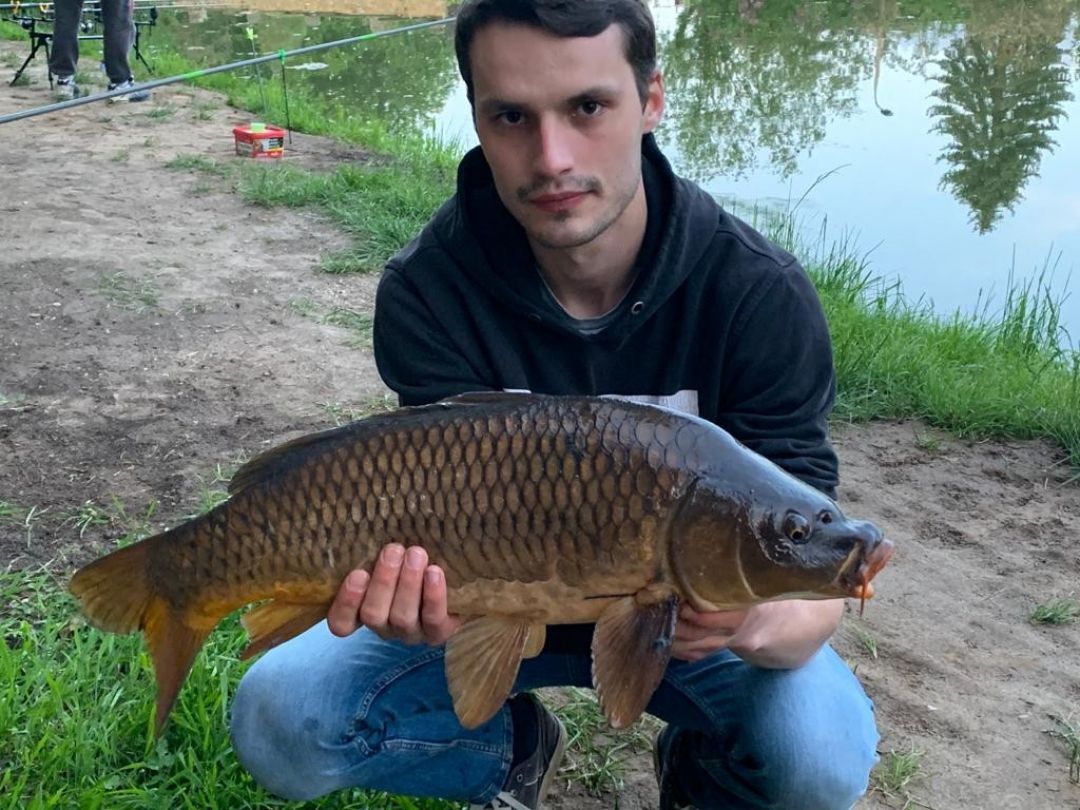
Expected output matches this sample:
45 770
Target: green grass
197 163
597 756
136 294
161 111
359 325
381 205
895 773
1056 611
213 489
89 514
11 512
866 641
1069 733
340 414
988 375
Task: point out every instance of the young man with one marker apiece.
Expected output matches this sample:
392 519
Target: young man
572 260
119 28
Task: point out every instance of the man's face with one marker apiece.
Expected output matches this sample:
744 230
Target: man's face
560 122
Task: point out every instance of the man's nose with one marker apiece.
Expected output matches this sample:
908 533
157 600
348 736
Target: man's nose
554 148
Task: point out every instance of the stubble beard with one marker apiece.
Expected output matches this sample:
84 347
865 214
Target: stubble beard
564 241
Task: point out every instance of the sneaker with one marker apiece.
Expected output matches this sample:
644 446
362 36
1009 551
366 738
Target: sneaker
529 780
65 88
138 95
671 797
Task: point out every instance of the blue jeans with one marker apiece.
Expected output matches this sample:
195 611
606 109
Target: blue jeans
322 713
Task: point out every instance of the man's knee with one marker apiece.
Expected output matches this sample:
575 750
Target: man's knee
819 777
803 739
814 760
799 772
279 740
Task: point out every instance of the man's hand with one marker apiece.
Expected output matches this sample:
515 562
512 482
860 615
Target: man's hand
778 635
699 635
403 599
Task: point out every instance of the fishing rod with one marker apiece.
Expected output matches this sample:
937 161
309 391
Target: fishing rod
198 74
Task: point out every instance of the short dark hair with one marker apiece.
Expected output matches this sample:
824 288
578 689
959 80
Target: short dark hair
564 18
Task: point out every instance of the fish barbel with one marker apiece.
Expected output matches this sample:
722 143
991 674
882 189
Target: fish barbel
540 509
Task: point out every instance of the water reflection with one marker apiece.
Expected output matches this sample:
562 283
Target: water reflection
1001 96
401 80
753 82
759 83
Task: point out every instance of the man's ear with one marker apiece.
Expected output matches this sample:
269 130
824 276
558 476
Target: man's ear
653 109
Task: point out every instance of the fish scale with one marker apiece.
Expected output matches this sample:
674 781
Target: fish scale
539 509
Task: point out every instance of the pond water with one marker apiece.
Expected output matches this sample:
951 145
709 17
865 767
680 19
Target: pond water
940 138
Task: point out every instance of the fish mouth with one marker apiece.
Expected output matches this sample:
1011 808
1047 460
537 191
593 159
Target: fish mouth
860 568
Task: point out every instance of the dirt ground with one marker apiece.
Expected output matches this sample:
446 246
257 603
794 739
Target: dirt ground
153 326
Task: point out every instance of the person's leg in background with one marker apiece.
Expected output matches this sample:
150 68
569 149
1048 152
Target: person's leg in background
64 54
119 23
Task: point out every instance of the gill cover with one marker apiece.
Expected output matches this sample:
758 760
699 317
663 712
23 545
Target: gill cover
708 533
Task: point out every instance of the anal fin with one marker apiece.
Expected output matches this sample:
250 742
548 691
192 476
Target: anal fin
482 661
631 647
276 622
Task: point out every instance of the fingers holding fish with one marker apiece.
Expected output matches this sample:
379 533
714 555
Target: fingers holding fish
400 606
342 617
709 622
700 634
438 623
403 619
391 597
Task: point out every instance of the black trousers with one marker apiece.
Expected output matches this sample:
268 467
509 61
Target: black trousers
119 36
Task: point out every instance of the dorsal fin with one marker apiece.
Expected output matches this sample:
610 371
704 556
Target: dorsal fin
486 398
289 454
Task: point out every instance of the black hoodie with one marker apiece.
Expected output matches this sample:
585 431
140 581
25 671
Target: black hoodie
718 321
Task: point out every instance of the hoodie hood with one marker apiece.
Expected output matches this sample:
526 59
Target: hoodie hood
488 244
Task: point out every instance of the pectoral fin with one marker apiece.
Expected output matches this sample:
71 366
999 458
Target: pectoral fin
482 660
630 648
535 643
276 622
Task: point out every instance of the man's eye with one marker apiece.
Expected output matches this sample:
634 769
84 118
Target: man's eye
590 108
512 117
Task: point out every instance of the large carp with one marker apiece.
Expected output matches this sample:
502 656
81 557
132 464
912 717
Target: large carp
540 509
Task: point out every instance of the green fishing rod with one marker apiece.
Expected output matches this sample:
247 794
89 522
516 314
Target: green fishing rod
198 74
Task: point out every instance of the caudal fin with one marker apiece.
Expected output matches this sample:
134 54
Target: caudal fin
116 595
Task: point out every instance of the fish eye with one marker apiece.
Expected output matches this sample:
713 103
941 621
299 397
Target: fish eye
796 528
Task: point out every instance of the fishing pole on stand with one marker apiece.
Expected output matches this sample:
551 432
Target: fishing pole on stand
251 139
285 95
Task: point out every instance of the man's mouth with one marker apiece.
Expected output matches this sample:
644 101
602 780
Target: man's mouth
559 201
